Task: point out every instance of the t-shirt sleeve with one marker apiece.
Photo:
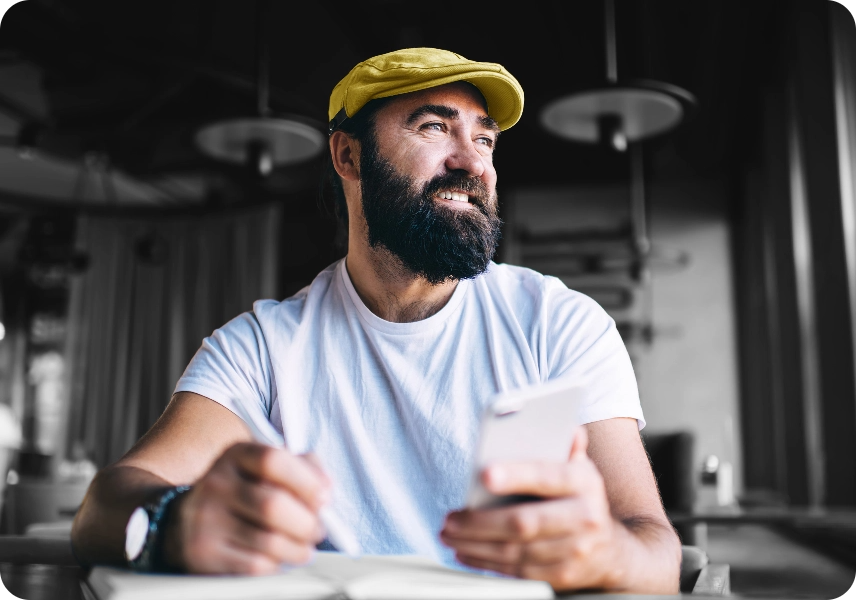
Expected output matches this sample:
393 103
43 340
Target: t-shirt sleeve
582 341
233 368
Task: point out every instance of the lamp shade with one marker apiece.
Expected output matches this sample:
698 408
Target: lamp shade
618 113
261 142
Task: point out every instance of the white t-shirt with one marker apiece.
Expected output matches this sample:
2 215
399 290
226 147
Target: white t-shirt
393 409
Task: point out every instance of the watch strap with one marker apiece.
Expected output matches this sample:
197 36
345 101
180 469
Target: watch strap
151 557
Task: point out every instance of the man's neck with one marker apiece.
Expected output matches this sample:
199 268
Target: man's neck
390 290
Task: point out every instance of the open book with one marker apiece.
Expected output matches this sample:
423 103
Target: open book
330 575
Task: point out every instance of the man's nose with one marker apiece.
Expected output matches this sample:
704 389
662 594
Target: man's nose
464 157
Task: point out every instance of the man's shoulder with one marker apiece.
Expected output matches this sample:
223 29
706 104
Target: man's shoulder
517 279
536 289
294 306
504 274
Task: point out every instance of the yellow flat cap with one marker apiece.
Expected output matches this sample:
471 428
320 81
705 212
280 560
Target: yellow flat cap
414 69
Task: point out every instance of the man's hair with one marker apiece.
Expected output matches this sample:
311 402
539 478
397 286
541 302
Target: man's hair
360 127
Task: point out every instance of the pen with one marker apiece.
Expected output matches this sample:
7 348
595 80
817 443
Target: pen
338 532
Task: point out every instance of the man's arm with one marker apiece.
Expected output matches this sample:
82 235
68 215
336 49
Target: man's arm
251 508
601 526
652 556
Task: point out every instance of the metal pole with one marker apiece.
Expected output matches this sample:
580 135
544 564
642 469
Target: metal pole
611 52
638 210
263 56
804 275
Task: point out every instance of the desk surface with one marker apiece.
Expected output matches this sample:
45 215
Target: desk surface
55 582
42 582
24 577
769 516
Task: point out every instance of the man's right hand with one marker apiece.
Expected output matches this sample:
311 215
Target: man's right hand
256 508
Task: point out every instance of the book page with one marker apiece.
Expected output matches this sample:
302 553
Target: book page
416 578
121 584
330 575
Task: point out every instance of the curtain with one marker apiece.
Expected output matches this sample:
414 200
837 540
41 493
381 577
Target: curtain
153 290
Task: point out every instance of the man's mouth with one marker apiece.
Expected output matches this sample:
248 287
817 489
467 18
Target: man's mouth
454 196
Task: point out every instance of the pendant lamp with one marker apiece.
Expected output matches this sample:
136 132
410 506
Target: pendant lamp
266 141
619 115
619 112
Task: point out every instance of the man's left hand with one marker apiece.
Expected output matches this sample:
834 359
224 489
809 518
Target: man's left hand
569 539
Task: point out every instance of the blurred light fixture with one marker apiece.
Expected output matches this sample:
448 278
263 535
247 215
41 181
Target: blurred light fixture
620 112
261 143
264 142
620 115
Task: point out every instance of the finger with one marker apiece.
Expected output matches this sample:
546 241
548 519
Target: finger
500 552
579 449
549 573
228 559
547 551
280 467
522 522
538 478
277 547
315 461
272 508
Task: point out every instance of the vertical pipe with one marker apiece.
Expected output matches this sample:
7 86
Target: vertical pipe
774 341
638 210
806 309
641 243
844 84
263 56
611 51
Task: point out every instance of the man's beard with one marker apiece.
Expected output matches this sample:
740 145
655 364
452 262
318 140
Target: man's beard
433 241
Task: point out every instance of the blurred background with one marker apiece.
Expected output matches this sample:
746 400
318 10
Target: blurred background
690 165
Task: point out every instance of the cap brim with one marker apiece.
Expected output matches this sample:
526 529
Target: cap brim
503 94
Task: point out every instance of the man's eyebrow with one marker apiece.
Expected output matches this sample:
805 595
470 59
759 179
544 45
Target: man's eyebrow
440 110
489 123
447 112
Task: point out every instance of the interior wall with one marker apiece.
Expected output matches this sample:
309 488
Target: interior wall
688 379
687 374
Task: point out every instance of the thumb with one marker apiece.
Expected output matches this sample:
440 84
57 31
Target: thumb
315 461
579 448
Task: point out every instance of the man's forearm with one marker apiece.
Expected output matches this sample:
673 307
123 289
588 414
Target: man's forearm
98 534
648 557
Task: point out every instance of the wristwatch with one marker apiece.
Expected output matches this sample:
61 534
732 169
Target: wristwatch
143 534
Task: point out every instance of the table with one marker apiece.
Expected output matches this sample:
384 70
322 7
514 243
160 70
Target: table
829 530
39 569
42 582
727 515
45 569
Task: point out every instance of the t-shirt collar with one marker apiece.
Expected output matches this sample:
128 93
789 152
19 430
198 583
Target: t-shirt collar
374 321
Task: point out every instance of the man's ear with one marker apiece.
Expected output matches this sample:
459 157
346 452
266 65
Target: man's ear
345 153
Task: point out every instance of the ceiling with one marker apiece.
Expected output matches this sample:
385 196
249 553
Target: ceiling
110 94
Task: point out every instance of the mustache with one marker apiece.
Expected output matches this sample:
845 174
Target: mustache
472 186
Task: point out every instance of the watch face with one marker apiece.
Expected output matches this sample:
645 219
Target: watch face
136 532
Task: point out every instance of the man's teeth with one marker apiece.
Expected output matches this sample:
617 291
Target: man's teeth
454 196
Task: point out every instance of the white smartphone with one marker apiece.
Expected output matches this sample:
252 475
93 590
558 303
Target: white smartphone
531 423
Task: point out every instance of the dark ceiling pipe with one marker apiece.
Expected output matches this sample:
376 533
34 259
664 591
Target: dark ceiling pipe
263 57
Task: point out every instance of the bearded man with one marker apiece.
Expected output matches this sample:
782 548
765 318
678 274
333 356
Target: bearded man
381 369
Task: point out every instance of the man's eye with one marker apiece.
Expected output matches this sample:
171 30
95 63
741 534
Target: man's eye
486 141
434 126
